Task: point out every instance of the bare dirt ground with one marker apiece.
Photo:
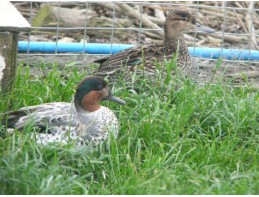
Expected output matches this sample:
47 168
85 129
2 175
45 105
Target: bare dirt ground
239 20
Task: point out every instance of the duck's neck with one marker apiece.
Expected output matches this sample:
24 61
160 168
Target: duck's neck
87 107
175 44
179 46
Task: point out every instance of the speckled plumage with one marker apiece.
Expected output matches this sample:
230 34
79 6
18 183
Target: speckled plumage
145 57
61 122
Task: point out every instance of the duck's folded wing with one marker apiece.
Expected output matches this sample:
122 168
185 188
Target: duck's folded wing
130 57
45 116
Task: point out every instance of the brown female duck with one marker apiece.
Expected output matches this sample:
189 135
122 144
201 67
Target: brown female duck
176 24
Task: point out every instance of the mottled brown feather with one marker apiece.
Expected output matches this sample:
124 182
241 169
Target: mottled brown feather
177 23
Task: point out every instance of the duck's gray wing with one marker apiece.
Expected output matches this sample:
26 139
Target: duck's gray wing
44 116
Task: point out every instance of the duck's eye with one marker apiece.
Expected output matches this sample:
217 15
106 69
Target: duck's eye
100 86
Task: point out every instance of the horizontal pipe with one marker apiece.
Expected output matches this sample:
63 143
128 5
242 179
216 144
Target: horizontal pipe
230 54
52 47
96 48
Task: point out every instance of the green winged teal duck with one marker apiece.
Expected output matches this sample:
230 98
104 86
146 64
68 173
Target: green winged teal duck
84 120
176 24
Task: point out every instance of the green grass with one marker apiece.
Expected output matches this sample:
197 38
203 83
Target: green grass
193 140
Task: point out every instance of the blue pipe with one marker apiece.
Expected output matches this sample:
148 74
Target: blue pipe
230 54
51 47
96 48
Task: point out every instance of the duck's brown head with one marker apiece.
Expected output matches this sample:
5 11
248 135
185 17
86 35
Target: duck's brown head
179 22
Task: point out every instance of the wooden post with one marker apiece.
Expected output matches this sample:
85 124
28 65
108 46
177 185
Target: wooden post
8 51
11 23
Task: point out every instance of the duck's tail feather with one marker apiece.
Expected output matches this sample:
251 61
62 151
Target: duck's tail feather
102 60
9 119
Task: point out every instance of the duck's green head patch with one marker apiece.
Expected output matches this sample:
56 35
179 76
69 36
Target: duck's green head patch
87 85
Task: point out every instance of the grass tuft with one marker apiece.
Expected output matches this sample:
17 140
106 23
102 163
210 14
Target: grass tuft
190 140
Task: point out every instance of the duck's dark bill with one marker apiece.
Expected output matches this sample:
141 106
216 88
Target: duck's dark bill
115 99
200 27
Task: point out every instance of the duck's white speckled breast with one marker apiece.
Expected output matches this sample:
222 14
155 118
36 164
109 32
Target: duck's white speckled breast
103 119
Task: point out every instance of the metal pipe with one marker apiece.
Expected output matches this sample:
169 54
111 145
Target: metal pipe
96 48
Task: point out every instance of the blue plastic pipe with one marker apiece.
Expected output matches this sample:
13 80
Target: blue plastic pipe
52 47
230 54
96 48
